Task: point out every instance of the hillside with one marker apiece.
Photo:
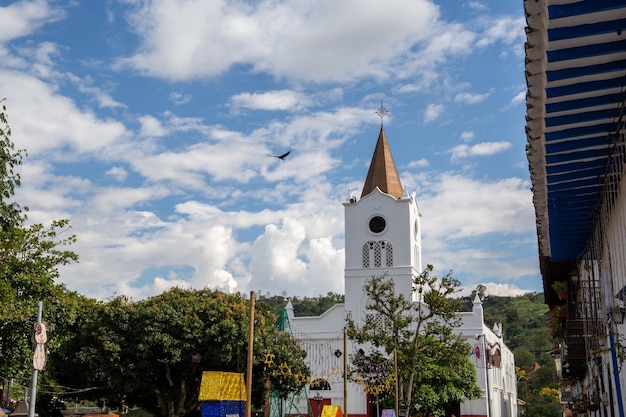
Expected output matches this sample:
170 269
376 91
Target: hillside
524 322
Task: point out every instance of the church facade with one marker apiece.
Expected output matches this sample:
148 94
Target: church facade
383 236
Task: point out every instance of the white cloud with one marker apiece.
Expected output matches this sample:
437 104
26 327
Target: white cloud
271 100
469 98
420 163
285 260
321 40
467 136
432 112
22 18
456 206
151 127
49 121
180 98
117 173
519 98
165 194
480 149
476 5
496 289
508 30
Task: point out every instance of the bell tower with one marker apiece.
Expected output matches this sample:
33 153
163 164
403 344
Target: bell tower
382 232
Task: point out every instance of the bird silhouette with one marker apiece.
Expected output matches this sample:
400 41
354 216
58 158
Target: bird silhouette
283 156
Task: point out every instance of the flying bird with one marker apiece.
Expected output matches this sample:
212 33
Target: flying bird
283 156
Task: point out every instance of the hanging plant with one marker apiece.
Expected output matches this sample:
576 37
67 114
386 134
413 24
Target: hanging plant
560 288
556 319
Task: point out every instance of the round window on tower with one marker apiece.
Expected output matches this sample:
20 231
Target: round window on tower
377 224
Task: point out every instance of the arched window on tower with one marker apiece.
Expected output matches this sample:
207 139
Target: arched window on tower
366 255
387 249
374 253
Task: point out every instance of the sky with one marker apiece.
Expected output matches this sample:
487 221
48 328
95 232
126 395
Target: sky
151 125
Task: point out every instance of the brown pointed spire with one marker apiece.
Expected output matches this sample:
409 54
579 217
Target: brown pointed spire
382 173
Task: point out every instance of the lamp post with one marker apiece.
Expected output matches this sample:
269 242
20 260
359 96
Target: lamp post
318 399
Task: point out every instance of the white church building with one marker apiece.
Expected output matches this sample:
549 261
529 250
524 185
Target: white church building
383 236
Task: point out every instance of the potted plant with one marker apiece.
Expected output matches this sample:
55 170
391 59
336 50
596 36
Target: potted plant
556 319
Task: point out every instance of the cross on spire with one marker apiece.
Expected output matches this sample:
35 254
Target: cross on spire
381 112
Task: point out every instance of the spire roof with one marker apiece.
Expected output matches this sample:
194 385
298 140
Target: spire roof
383 173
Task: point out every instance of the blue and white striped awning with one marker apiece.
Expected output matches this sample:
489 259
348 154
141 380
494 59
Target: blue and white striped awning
575 72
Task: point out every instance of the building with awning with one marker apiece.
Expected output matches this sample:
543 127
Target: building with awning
576 76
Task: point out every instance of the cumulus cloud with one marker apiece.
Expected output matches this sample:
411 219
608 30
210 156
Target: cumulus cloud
50 121
519 98
21 18
469 98
480 149
420 163
162 193
432 112
458 206
509 30
271 100
151 127
496 289
476 5
117 173
467 136
183 40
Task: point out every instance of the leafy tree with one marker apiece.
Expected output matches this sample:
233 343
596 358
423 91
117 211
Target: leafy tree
434 367
151 353
524 359
29 259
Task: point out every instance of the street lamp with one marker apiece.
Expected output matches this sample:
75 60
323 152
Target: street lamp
318 399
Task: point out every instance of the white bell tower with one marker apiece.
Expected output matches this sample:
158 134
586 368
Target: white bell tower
382 233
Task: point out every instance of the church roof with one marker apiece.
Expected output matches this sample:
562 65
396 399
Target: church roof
382 173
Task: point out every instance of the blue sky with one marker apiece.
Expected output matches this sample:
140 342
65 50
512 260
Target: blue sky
149 124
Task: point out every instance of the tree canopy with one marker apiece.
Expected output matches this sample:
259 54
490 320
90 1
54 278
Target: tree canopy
30 255
151 353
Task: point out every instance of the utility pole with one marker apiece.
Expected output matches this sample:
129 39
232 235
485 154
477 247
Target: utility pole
248 410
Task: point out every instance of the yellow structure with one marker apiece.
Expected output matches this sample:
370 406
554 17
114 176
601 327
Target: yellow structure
222 386
331 411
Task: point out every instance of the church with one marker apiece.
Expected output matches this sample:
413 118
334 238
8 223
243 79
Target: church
383 236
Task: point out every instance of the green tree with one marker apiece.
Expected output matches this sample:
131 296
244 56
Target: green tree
434 367
29 259
151 353
524 359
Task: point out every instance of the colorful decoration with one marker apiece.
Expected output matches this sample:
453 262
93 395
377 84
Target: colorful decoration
301 379
331 411
269 358
285 369
222 386
41 337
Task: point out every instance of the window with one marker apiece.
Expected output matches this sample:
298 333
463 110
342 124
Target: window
377 224
377 253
